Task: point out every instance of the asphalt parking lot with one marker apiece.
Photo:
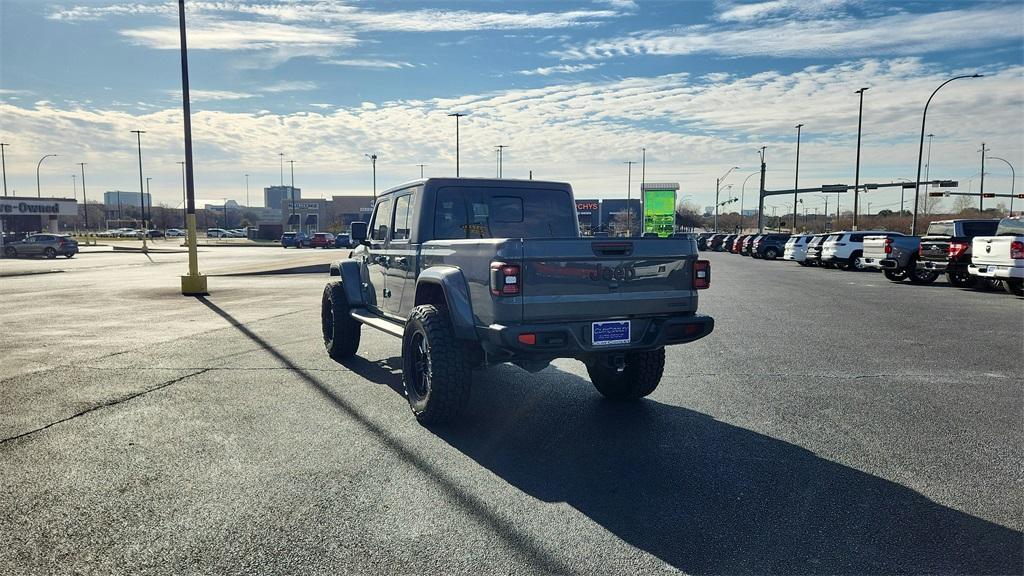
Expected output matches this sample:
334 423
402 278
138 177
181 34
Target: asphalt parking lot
834 422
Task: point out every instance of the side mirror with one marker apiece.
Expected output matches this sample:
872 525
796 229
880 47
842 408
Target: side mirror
358 232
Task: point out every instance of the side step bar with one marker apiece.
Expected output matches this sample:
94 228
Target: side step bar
373 321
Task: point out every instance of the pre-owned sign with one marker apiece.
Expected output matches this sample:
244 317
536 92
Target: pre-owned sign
37 207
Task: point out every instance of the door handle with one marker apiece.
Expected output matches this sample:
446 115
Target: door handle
401 261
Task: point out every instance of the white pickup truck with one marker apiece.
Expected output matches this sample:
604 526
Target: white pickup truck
1001 256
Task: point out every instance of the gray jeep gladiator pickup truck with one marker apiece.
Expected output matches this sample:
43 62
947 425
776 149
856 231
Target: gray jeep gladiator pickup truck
472 272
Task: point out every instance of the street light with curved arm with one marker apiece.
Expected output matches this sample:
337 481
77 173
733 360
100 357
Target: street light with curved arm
1013 178
920 152
718 185
39 192
743 195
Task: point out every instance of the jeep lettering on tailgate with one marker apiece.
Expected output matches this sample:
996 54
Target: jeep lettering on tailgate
624 272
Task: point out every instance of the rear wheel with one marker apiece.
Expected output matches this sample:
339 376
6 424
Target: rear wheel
435 369
11 252
1014 286
771 254
341 331
638 377
961 279
990 283
50 253
856 262
921 276
69 255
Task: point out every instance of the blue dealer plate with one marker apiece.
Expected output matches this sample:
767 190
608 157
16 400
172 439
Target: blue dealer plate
606 333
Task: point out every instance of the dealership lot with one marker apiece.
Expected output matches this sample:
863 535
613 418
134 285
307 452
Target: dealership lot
833 422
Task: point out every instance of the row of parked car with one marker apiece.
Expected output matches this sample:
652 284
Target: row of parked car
970 253
317 240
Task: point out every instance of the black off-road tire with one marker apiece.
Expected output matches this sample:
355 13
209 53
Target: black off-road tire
50 253
1014 286
920 277
435 367
639 378
961 279
341 331
898 275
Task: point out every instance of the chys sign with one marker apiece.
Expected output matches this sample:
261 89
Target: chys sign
587 206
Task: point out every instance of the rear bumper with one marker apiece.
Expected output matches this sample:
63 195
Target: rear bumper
996 271
935 265
573 339
871 263
889 264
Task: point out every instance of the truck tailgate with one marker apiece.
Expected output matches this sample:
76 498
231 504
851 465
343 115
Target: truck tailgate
580 279
995 251
874 247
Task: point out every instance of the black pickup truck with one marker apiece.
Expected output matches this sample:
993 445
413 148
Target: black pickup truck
471 272
946 248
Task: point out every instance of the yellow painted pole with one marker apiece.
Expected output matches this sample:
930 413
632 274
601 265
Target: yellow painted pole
194 283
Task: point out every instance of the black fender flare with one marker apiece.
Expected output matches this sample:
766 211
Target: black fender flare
456 295
351 280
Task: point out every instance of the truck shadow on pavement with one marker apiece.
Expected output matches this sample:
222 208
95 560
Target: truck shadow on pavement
708 497
702 495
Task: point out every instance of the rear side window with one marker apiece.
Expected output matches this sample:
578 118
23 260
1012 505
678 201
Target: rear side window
403 216
463 212
379 226
856 238
980 228
832 238
1010 227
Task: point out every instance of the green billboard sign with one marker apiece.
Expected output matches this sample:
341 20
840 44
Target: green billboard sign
660 212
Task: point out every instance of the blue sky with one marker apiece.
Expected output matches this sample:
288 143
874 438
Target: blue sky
573 88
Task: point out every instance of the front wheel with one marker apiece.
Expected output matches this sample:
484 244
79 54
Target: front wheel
11 252
50 253
69 255
435 372
961 279
638 377
341 331
1014 286
771 254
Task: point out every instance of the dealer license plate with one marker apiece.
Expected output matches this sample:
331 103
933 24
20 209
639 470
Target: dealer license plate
992 269
608 333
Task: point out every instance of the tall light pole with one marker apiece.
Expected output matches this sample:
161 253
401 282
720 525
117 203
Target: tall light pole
718 188
643 181
281 156
1013 179
920 152
856 176
629 196
193 284
3 162
184 199
826 212
142 195
760 190
85 204
796 176
246 190
150 202
928 168
743 192
981 190
299 224
457 115
39 192
373 163
74 186
421 169
501 158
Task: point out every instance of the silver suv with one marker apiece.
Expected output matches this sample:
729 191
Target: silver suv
49 245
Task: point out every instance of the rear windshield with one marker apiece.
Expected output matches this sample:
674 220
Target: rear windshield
940 229
464 212
832 237
980 228
1010 227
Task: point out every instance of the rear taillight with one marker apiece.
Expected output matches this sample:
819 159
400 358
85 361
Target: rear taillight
888 245
1017 250
505 279
701 275
956 249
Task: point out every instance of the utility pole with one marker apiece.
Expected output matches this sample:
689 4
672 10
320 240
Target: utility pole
150 196
74 186
3 161
85 204
193 284
760 196
457 115
796 177
981 191
421 169
281 155
184 199
246 190
856 177
501 149
643 181
142 195
629 191
299 224
373 162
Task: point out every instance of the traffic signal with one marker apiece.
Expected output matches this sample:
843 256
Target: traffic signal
988 195
936 194
1020 195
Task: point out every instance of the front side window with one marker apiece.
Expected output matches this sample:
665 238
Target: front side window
379 226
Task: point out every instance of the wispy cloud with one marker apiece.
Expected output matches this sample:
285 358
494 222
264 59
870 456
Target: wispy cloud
840 36
781 8
212 95
290 86
241 35
559 69
369 63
